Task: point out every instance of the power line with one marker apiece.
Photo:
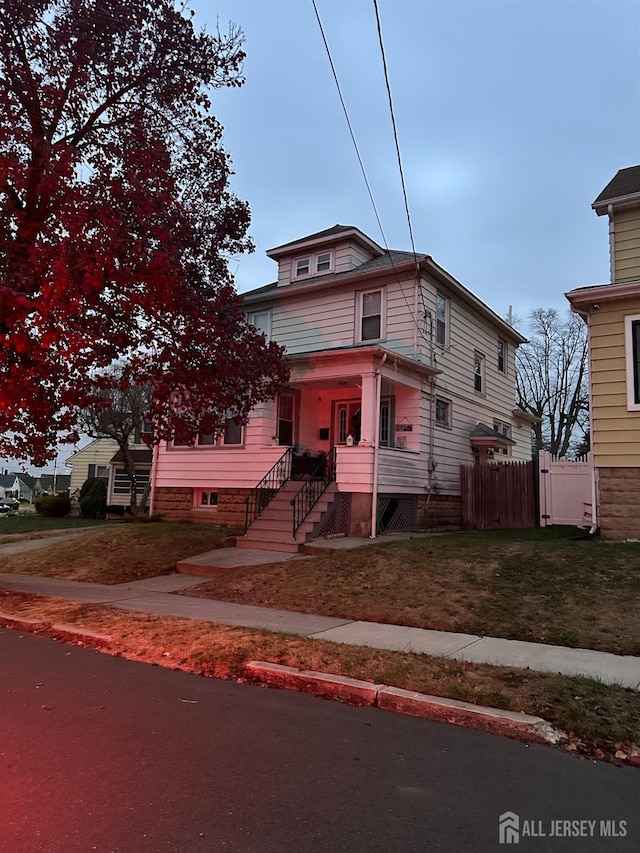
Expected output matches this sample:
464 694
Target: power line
366 180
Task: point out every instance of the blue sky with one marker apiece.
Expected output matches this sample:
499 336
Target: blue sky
512 115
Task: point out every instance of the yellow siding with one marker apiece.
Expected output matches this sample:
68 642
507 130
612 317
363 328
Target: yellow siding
627 245
615 431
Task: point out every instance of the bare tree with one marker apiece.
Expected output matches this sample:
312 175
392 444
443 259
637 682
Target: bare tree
119 411
551 379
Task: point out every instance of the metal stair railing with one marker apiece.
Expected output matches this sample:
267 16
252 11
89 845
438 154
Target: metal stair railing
313 489
268 487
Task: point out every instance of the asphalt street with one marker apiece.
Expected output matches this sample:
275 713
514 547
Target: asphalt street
100 753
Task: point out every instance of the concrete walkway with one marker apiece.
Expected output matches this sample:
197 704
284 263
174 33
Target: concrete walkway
155 595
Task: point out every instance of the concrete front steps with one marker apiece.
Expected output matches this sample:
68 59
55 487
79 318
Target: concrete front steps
273 528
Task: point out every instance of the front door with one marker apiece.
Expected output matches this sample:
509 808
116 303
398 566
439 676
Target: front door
347 421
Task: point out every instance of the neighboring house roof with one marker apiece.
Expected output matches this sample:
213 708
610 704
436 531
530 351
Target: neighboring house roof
140 457
584 300
623 187
62 481
7 480
27 479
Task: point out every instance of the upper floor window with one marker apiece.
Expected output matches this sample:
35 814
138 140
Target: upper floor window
478 372
442 320
313 264
262 321
502 357
371 315
632 357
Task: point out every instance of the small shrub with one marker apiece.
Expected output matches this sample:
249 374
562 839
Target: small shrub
53 506
93 498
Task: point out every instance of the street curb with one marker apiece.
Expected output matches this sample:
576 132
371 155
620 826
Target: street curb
494 720
21 623
74 633
60 631
319 683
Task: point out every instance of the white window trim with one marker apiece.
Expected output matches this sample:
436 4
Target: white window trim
629 320
447 320
505 361
251 316
312 260
383 315
483 373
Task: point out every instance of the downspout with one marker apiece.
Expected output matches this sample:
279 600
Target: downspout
594 489
376 450
612 244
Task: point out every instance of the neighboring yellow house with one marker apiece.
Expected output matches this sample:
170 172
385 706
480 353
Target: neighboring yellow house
612 314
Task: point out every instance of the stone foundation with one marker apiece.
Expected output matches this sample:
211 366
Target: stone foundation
178 502
619 511
435 511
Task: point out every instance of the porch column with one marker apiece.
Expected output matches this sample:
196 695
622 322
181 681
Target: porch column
368 413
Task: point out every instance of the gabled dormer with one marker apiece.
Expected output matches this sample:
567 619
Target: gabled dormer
620 200
335 250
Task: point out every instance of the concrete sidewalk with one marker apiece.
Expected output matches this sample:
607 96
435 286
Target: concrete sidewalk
155 596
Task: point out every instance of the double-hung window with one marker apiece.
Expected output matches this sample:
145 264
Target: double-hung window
478 373
442 320
231 434
316 264
262 321
443 412
371 315
504 429
502 357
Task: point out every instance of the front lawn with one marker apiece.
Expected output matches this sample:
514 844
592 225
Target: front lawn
546 586
33 523
118 552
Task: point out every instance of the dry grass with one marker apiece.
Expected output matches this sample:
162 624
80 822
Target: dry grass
590 711
546 586
121 551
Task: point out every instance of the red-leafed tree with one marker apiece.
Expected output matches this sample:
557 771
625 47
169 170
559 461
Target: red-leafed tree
116 220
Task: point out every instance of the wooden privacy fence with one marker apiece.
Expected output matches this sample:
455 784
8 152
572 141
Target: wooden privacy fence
496 496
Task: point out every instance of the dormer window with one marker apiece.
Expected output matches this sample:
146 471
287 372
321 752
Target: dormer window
323 262
313 265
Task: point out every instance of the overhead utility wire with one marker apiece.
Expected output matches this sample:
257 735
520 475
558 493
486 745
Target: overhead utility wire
364 173
395 136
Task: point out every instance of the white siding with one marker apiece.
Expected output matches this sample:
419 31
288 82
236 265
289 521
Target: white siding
99 452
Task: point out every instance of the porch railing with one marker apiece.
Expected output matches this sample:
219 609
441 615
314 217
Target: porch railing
267 488
313 489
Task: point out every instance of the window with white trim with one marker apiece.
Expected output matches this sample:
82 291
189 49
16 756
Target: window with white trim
317 264
502 357
443 412
442 320
231 434
262 321
478 373
632 358
503 428
209 499
371 315
122 484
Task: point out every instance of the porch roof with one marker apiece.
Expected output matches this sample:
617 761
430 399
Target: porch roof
485 436
384 356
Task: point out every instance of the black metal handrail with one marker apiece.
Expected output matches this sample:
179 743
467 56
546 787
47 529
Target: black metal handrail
267 488
309 495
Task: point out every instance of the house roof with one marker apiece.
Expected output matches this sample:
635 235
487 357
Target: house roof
27 479
320 237
140 457
482 434
63 481
387 262
623 188
7 480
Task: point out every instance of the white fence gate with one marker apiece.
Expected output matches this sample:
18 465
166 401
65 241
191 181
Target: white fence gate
565 490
